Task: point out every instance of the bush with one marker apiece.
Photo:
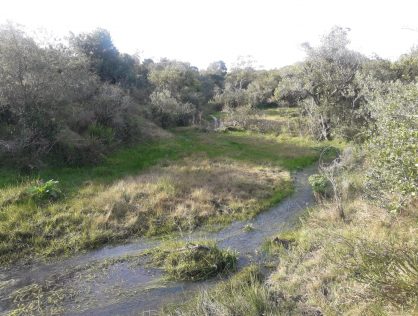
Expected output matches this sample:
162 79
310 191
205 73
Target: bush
45 191
170 111
392 176
103 133
319 184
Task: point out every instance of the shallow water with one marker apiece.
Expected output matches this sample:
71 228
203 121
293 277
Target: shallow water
106 282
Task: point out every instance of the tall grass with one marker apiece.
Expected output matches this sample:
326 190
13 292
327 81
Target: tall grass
242 294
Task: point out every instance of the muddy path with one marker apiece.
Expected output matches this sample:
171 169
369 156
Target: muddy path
115 281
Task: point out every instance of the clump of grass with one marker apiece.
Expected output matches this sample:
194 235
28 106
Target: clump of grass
390 271
188 194
248 228
193 261
282 241
243 294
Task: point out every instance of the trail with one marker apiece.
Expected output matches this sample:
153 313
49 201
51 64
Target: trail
112 281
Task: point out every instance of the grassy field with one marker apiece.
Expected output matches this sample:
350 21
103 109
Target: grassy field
180 183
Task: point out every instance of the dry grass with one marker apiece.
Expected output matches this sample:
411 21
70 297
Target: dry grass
363 267
366 264
192 179
186 194
350 268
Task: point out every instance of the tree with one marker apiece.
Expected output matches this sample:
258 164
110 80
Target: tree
36 84
290 90
406 68
217 71
329 75
179 87
260 91
103 55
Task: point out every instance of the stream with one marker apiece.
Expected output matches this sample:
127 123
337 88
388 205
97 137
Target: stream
113 281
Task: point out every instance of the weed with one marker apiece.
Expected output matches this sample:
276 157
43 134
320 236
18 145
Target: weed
45 191
319 183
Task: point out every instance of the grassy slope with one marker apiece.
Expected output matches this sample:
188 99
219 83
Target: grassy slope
89 214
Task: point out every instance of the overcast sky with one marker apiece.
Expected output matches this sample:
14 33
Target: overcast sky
201 31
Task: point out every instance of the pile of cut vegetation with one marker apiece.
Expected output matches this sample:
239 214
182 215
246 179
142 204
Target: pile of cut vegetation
193 260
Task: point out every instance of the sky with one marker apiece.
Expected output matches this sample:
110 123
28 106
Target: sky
202 31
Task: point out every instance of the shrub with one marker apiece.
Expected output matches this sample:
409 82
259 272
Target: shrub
170 111
392 149
45 191
319 184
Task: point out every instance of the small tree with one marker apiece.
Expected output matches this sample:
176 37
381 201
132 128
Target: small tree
329 76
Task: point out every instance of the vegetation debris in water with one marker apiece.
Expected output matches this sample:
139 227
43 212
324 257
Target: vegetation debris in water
193 261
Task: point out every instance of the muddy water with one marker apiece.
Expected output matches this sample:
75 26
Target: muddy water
113 281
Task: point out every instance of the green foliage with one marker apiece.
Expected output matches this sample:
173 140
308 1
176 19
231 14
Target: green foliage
194 260
392 176
169 111
319 183
45 191
335 100
51 104
110 65
290 91
103 133
406 68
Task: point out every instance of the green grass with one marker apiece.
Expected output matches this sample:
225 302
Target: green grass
70 224
243 294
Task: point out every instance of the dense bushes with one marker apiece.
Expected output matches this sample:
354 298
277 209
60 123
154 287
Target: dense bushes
52 104
76 103
392 177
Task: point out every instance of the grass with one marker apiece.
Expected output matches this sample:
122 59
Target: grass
192 179
275 121
187 261
366 264
242 294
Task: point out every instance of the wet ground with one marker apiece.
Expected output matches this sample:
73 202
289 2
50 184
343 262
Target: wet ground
116 280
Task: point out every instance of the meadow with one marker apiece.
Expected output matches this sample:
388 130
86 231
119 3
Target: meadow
191 179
